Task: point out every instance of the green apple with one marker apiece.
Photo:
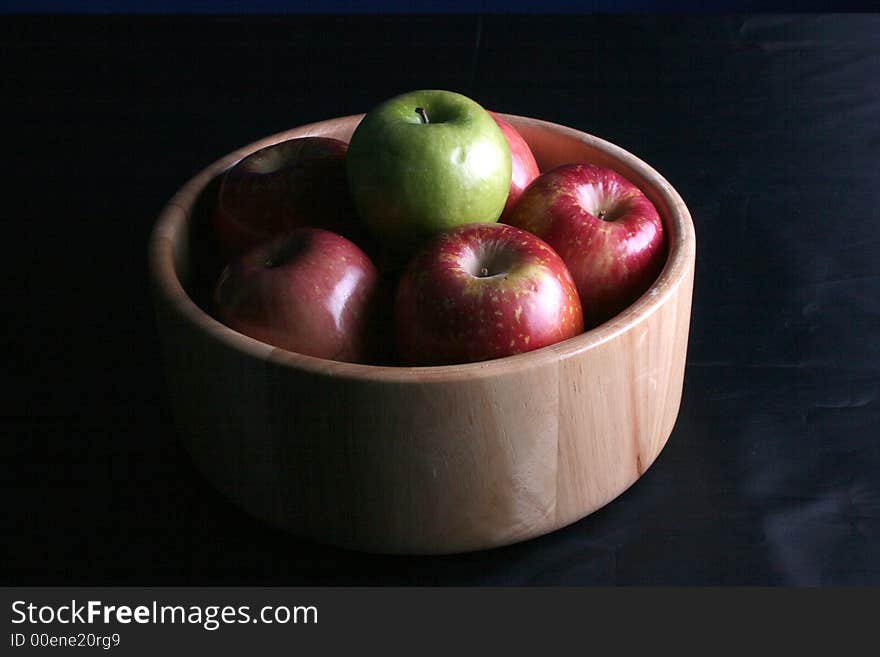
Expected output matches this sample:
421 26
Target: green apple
424 162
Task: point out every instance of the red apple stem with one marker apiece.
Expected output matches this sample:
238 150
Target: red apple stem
602 214
484 272
422 114
287 250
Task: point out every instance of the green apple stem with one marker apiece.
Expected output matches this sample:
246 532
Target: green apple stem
422 114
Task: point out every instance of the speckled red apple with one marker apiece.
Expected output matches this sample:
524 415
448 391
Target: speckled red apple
605 229
310 291
294 183
483 291
524 168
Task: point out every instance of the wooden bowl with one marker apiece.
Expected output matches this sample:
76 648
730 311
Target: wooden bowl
423 460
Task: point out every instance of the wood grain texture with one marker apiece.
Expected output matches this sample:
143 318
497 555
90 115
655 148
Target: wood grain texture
431 459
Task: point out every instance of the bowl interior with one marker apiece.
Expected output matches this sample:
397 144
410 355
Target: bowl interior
186 264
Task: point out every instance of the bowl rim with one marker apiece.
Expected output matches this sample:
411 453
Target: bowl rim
174 215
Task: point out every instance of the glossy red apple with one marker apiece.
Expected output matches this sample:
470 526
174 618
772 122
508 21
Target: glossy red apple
483 291
297 182
524 167
605 229
310 291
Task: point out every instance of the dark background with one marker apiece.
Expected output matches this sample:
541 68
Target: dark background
767 124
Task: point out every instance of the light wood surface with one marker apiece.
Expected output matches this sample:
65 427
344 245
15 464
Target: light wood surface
434 459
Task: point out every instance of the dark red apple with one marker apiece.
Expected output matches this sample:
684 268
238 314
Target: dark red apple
524 168
483 291
297 182
606 230
310 291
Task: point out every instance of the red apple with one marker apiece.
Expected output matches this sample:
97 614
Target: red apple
606 230
310 291
297 182
524 167
483 291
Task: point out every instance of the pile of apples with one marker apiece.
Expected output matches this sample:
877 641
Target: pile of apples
431 238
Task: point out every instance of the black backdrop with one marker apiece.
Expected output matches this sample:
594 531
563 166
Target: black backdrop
767 124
